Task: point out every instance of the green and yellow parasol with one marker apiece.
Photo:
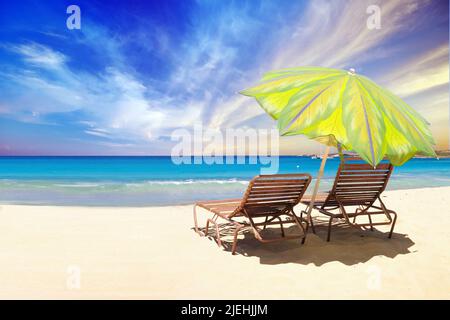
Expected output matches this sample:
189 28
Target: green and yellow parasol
342 109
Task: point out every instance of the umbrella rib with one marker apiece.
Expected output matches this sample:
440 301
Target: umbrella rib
405 116
391 96
369 132
305 107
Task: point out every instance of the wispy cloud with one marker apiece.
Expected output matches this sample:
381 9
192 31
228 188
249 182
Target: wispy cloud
420 73
39 55
335 33
115 100
107 74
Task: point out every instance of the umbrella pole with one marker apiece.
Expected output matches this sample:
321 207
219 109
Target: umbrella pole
341 154
316 187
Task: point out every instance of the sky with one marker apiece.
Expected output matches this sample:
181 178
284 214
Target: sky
136 71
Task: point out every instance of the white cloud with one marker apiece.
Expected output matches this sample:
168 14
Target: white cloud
419 73
209 69
39 55
118 105
97 133
335 33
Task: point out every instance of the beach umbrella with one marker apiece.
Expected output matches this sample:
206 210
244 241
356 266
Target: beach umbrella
346 110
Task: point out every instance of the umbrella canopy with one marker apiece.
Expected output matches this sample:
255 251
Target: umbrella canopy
342 108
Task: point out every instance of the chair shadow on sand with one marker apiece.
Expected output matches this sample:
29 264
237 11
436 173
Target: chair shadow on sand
348 245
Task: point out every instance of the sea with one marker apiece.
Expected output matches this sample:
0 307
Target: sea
159 181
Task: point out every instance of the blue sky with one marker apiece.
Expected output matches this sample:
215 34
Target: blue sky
136 71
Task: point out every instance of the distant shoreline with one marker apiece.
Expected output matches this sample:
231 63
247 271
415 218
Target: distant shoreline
440 154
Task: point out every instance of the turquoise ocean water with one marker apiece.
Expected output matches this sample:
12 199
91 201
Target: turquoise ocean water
144 181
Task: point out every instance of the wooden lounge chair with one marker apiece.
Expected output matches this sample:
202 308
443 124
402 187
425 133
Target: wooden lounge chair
355 194
268 199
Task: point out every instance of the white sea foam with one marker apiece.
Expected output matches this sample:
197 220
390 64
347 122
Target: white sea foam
78 185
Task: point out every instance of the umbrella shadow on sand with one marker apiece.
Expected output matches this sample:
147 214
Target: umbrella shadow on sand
348 245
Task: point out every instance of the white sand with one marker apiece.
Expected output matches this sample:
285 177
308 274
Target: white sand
153 253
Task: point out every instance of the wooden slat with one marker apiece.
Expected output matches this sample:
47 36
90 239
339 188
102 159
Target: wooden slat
360 184
357 203
281 197
281 200
284 176
368 167
362 178
268 196
278 188
356 199
274 192
358 189
356 193
272 195
356 196
364 173
268 186
262 203
277 182
264 210
353 186
252 200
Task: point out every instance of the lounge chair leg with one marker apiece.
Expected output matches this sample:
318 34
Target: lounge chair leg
207 228
370 220
329 229
219 242
308 222
356 214
216 227
281 227
304 239
393 224
200 233
301 219
233 248
265 221
312 225
298 221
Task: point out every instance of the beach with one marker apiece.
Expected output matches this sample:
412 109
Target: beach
74 252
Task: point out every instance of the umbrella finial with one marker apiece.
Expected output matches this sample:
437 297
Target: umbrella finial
351 71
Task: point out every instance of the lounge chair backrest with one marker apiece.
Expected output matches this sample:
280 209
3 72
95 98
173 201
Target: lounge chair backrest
280 192
358 183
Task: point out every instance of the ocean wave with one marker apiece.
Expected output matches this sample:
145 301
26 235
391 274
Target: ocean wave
6 184
77 185
154 192
193 181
